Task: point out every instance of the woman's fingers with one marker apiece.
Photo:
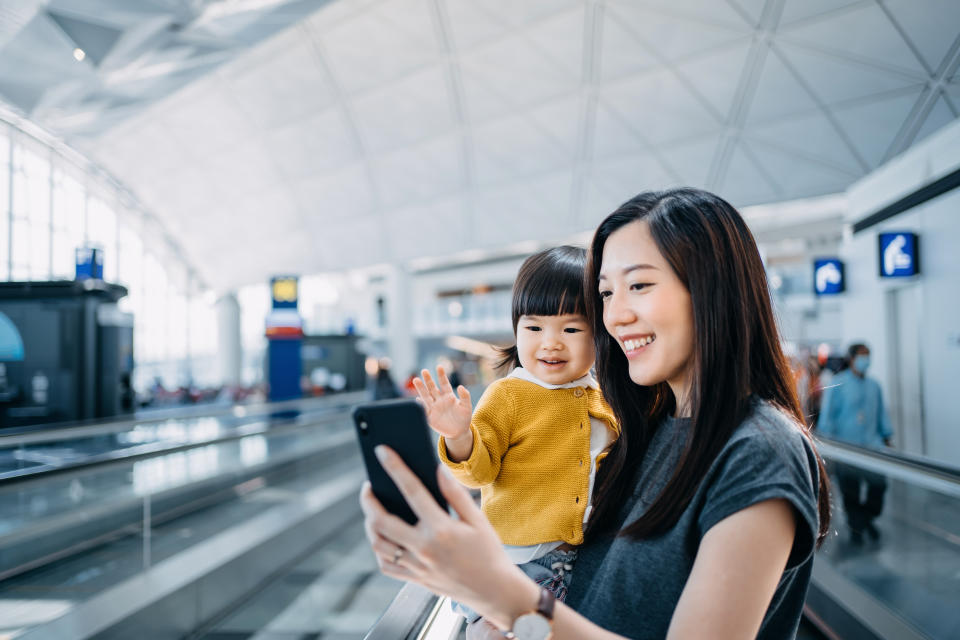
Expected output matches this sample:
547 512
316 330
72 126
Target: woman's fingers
416 495
458 497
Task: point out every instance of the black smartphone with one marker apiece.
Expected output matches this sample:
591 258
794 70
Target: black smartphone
402 426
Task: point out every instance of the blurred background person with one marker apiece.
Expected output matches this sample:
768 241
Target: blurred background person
852 411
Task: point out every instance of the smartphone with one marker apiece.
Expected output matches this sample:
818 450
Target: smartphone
402 426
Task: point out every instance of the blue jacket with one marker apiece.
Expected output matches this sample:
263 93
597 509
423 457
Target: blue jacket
852 411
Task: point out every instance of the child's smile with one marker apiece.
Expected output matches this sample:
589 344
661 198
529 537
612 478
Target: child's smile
555 349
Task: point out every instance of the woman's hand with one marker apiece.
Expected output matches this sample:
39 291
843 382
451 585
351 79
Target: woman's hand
461 558
448 413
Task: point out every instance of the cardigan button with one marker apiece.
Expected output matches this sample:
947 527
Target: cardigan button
578 392
578 499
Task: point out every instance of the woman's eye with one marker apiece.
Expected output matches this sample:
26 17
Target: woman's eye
605 294
638 286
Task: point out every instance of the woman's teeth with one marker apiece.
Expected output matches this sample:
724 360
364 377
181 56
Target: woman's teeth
633 345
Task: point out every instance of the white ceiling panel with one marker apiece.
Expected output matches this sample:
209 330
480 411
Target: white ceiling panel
746 182
438 228
416 174
347 193
718 13
692 160
670 37
796 174
516 146
662 106
406 111
532 209
779 92
872 125
931 26
534 76
812 136
833 79
861 33
709 74
312 145
386 130
405 38
940 114
803 10
274 99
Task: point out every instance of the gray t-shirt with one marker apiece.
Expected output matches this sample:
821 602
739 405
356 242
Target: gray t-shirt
632 587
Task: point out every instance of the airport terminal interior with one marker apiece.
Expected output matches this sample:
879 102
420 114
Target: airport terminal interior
225 224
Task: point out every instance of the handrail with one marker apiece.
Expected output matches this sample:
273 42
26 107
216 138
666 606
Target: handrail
921 463
149 450
14 436
909 469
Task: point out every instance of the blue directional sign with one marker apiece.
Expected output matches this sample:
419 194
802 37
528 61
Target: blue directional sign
828 276
899 254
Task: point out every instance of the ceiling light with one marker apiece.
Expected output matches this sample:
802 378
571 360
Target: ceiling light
79 54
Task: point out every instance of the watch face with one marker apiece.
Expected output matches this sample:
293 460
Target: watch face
532 626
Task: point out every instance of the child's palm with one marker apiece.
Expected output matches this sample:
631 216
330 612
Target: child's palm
448 413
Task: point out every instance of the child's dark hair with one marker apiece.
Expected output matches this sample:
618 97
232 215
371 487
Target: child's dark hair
549 283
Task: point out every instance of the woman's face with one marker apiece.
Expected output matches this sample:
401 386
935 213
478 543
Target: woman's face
647 309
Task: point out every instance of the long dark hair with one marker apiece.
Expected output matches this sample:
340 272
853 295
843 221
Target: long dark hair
736 354
549 283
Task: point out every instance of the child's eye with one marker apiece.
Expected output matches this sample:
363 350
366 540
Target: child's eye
532 328
572 330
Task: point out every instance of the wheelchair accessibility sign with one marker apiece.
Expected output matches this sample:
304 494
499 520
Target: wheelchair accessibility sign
898 255
827 276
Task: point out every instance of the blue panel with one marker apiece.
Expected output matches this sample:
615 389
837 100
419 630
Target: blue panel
899 254
284 369
89 263
828 278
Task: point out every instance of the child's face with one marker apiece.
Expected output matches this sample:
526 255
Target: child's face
555 349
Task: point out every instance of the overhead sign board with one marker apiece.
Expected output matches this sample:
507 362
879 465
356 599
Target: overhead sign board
283 291
828 279
898 254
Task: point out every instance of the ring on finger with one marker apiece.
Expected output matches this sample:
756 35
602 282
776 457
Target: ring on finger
397 555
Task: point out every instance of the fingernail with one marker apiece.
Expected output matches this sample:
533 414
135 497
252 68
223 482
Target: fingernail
381 452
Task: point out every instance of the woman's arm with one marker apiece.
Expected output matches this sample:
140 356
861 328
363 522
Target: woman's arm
461 558
735 573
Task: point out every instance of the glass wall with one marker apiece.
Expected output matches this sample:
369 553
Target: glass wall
51 204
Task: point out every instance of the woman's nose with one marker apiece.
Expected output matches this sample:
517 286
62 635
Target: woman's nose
617 312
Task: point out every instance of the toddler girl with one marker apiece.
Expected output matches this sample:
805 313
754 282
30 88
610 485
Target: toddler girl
534 441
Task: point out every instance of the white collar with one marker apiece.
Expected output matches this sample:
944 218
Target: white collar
586 381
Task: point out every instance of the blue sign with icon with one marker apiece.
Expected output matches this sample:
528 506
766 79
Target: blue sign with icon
898 254
828 276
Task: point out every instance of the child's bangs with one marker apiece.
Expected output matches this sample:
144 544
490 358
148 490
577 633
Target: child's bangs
551 294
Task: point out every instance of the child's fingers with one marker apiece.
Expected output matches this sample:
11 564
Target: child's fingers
445 387
422 392
464 394
430 384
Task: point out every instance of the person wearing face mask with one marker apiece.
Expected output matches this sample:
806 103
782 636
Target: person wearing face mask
853 412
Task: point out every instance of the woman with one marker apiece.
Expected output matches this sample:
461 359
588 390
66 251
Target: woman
710 504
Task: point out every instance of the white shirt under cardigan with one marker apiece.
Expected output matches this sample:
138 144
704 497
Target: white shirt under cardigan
601 435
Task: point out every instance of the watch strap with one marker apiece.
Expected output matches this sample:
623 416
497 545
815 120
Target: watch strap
546 603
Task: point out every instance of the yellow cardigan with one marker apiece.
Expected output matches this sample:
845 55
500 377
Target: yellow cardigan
531 459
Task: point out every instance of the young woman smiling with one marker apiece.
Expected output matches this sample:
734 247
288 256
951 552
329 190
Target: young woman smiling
711 502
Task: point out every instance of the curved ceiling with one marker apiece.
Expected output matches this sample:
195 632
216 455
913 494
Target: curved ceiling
387 130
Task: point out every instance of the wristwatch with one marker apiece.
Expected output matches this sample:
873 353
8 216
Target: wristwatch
538 624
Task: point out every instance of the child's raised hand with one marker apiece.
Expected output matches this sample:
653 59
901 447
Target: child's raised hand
448 413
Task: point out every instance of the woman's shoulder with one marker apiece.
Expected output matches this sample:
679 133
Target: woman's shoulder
767 426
